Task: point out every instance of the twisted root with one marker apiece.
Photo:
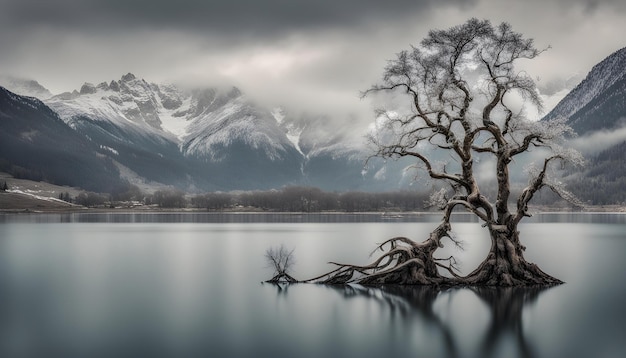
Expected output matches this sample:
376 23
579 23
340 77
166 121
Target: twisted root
403 262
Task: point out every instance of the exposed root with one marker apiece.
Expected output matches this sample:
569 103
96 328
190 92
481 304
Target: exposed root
406 262
403 262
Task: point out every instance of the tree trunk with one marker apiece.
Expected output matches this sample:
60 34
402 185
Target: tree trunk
505 264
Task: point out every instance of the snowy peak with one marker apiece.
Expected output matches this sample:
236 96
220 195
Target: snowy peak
129 100
204 122
219 120
128 77
601 77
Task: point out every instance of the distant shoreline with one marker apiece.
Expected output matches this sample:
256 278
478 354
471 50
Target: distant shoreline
70 209
40 197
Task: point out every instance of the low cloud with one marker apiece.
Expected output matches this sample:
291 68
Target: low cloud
596 142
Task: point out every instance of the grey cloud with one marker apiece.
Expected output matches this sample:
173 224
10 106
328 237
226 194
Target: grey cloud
251 17
593 5
315 55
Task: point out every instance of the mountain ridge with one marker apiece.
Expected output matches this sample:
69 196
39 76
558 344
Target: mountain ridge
206 139
35 143
596 110
199 120
584 104
209 138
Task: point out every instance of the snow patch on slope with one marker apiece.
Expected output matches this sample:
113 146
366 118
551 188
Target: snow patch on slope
235 121
293 133
34 195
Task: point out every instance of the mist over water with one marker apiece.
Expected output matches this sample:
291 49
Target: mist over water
171 285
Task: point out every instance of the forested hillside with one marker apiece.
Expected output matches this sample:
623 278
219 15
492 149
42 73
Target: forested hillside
605 179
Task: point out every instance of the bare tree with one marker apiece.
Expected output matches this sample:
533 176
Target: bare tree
281 260
458 87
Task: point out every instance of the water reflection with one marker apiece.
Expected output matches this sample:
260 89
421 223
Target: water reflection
506 307
113 290
281 288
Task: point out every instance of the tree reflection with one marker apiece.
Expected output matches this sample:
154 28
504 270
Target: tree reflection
406 302
281 288
506 306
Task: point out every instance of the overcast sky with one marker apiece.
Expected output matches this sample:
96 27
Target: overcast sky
313 55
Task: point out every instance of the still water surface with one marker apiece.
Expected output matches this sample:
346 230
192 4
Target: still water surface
176 285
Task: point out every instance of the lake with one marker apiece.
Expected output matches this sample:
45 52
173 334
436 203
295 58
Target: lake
189 284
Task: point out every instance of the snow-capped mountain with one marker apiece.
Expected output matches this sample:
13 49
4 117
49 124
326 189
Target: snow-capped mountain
201 122
209 138
125 102
218 139
194 133
598 101
214 139
219 120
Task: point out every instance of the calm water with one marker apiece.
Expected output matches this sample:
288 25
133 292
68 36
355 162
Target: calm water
174 285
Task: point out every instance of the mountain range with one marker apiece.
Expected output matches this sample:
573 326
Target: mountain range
129 131
195 139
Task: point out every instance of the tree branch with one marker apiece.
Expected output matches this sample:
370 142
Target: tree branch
433 174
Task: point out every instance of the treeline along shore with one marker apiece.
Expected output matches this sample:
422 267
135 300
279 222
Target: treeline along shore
25 195
287 199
